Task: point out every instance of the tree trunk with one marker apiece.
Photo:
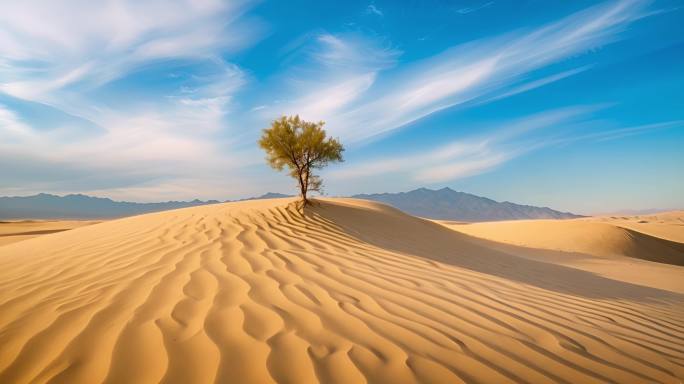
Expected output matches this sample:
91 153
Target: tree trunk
306 186
303 189
305 201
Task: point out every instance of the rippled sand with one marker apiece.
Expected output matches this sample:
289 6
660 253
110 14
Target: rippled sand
351 291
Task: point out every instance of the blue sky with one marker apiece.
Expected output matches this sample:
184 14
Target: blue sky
575 105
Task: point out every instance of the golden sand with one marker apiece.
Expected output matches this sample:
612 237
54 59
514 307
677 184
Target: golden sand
350 292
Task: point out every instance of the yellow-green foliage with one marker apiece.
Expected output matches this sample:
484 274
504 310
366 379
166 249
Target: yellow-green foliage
301 146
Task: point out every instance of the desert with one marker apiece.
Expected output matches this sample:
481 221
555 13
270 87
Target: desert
341 192
350 291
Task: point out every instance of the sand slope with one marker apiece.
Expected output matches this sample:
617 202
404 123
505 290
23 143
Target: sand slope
599 237
666 225
253 292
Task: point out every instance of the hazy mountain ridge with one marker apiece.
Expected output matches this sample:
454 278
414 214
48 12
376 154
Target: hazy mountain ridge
444 204
267 195
447 204
79 206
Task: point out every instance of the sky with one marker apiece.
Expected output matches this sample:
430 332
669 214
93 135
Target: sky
576 105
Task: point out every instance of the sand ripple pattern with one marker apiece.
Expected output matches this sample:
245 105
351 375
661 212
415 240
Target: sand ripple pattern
351 292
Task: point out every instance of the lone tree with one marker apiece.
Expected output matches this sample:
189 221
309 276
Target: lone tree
301 146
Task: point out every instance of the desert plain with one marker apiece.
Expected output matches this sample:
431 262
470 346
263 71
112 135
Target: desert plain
348 291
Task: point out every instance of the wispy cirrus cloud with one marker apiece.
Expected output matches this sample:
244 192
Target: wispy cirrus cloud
47 46
13 129
337 71
172 141
618 133
491 68
529 85
372 9
144 99
503 142
87 60
467 10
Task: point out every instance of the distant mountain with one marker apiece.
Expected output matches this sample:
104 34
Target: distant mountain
268 195
447 204
46 206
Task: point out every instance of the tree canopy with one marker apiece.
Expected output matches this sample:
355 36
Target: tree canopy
302 147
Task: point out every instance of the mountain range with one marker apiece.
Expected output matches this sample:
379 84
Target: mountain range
78 206
445 204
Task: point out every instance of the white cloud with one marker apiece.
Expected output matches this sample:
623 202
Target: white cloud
340 71
55 53
136 153
412 162
178 129
353 53
11 126
337 96
480 69
467 10
462 169
174 143
613 134
48 45
504 141
372 9
530 85
470 155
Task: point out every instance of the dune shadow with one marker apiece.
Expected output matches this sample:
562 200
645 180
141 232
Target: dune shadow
654 248
39 232
394 230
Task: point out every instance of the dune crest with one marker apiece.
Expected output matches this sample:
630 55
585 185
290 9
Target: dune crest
666 225
597 237
352 291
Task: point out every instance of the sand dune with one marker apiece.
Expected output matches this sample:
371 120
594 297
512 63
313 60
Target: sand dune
590 245
254 292
666 225
599 237
18 230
